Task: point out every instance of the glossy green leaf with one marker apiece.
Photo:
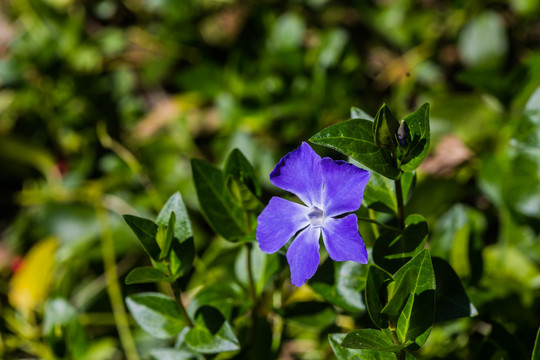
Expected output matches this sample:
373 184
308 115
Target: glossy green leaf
401 290
166 247
357 113
379 194
385 127
377 294
370 339
392 249
223 215
211 333
354 138
157 314
343 353
451 301
416 318
146 232
182 225
145 275
415 153
239 167
223 295
536 349
181 257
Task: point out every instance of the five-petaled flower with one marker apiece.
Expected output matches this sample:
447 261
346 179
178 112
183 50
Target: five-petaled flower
329 188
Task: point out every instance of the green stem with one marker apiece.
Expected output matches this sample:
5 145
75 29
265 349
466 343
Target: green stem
374 227
250 275
178 299
401 355
373 221
400 207
113 287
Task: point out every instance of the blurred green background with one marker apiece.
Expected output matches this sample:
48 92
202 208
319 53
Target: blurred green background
103 103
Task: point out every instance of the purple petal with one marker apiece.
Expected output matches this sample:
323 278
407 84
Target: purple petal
303 255
278 222
342 240
300 173
344 186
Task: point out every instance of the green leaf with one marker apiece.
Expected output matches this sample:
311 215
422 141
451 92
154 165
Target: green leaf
536 349
144 275
342 284
166 248
225 217
385 127
392 250
370 339
379 194
354 138
211 333
182 225
343 353
146 232
415 153
402 289
451 301
241 194
157 314
377 295
357 113
239 167
181 257
223 295
416 318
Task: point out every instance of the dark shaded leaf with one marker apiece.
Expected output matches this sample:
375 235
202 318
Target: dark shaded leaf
226 218
385 128
377 295
415 153
451 301
144 275
239 167
354 138
502 343
211 333
392 250
146 232
181 257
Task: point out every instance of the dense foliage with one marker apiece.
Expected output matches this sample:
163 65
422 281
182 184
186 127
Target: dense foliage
111 108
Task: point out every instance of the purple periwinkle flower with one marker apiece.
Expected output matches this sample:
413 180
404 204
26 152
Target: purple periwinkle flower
329 188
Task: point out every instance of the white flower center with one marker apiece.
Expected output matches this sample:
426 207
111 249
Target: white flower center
316 217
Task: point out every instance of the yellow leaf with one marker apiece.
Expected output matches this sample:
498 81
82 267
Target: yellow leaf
30 285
